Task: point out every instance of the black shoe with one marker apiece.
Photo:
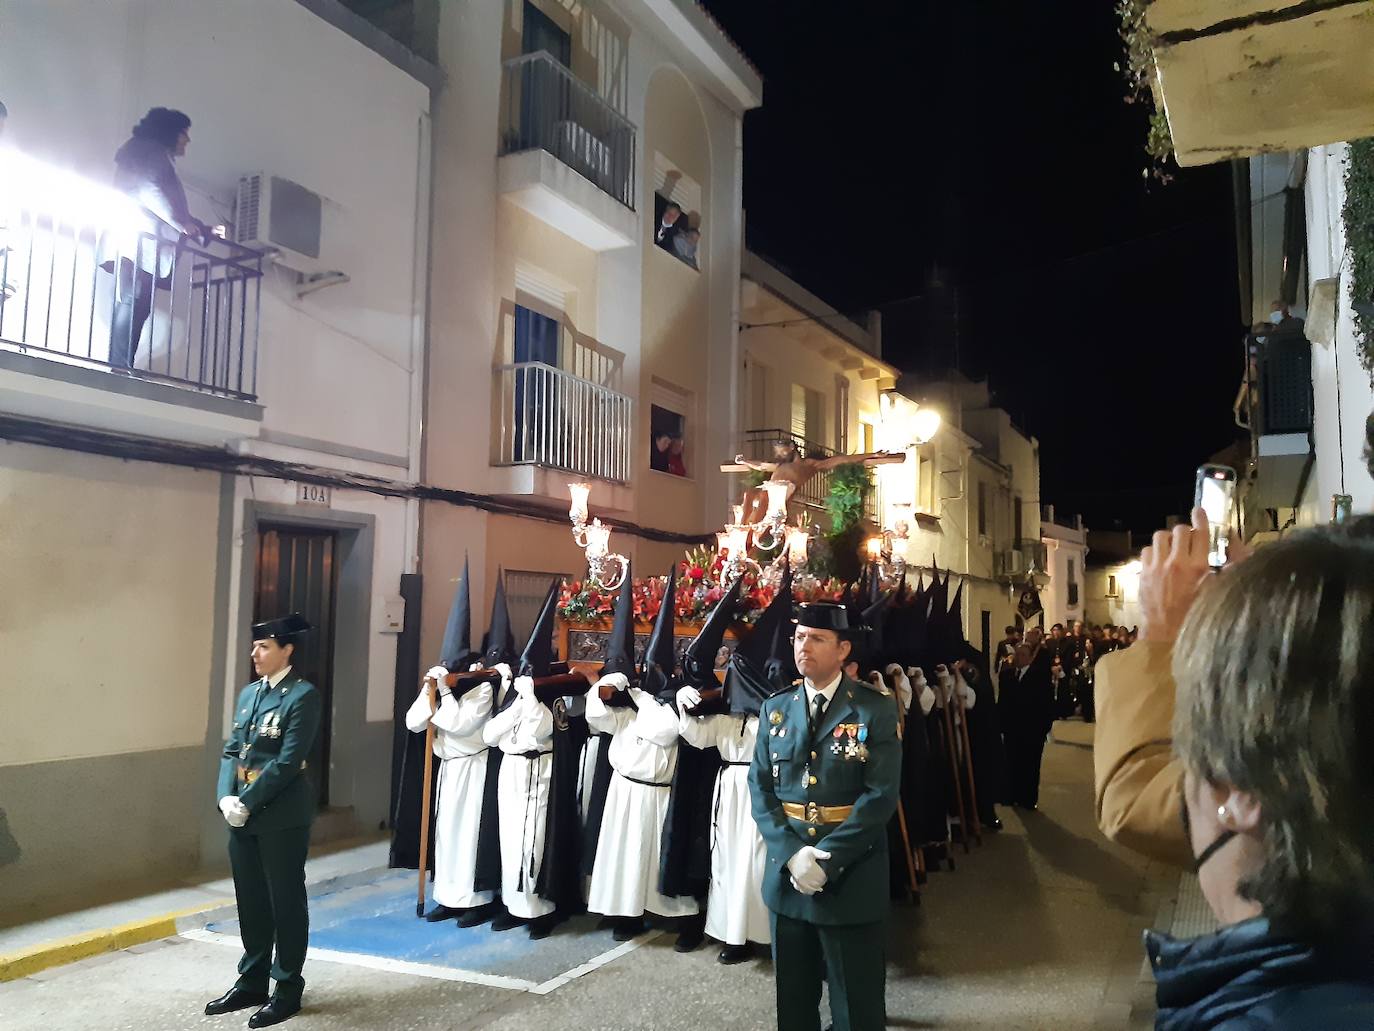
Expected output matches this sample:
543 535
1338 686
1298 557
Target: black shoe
442 913
542 927
993 825
276 1010
734 954
477 915
688 939
630 927
506 920
234 999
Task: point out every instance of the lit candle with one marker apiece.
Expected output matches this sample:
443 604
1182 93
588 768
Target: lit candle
737 541
739 514
875 548
797 541
598 540
777 498
577 512
722 540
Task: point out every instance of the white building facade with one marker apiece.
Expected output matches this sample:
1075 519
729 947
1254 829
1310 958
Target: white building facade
153 514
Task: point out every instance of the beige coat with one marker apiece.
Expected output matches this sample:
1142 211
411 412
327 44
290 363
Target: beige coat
1137 777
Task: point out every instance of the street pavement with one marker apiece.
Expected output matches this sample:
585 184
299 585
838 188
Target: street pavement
1038 929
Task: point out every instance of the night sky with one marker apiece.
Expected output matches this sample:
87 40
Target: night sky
980 158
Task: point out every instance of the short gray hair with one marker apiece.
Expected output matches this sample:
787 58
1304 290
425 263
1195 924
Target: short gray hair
1275 674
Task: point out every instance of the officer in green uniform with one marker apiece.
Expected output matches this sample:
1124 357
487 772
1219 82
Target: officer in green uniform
268 800
824 783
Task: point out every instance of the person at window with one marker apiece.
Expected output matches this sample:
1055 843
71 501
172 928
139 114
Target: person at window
660 454
676 465
685 245
145 169
668 226
1275 690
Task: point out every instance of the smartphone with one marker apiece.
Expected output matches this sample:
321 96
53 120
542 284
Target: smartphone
1215 493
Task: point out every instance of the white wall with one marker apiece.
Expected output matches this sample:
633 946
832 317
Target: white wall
107 573
1342 390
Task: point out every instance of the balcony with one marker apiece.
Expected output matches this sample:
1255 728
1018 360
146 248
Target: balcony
550 421
1239 79
1024 559
566 155
1275 404
194 371
757 446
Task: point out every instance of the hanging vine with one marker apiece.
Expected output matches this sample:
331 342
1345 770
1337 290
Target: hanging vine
1139 71
1358 215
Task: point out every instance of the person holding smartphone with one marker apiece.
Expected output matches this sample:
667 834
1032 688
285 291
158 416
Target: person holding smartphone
1137 777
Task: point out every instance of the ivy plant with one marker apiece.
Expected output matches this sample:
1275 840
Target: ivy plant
1358 215
1139 71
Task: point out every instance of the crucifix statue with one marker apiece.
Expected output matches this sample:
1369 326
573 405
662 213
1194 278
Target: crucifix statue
793 468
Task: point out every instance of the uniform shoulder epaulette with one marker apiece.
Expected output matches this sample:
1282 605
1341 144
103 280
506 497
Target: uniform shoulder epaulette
782 690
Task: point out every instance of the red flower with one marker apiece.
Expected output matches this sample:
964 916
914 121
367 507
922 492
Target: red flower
696 573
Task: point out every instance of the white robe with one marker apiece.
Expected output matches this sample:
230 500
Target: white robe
735 913
522 800
625 874
458 805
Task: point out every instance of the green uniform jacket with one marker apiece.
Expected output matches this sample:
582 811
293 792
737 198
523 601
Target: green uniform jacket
787 761
274 731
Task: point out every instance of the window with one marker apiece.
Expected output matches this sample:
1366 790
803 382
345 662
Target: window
1016 517
1111 586
525 592
982 509
866 444
842 415
925 486
808 420
677 212
542 33
536 340
670 412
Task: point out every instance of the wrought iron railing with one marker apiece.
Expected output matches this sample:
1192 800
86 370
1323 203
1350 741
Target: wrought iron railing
548 108
758 446
1276 394
552 418
1024 558
65 275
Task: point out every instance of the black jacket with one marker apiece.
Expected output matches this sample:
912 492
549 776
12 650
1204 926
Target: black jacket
1247 978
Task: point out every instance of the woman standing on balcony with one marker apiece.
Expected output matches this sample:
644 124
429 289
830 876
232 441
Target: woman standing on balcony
145 169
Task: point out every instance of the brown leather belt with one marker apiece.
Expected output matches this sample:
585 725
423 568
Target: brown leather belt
813 813
248 776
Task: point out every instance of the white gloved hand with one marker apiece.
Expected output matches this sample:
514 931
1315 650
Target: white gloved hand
619 681
807 875
436 673
474 667
524 687
507 674
235 812
893 668
688 698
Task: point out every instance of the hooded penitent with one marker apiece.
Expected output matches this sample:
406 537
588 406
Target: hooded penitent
747 681
499 643
657 675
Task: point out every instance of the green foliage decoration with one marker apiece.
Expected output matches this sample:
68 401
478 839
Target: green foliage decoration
1358 215
849 483
1139 72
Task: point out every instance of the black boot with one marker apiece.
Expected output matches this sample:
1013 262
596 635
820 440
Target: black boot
442 913
542 926
732 954
234 999
276 1010
628 927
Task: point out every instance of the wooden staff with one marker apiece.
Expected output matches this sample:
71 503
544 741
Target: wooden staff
901 811
968 765
954 766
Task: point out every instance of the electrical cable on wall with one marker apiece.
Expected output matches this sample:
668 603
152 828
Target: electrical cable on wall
212 459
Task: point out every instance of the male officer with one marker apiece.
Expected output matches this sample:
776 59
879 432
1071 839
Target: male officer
824 783
269 802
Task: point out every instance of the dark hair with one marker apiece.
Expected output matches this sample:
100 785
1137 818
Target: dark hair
1009 630
162 125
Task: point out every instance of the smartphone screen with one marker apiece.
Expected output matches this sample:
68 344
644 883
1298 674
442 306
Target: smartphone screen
1215 494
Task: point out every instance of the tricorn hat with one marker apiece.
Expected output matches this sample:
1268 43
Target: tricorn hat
824 615
283 628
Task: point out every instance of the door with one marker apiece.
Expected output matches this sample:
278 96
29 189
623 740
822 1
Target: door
542 33
298 572
986 629
545 97
536 388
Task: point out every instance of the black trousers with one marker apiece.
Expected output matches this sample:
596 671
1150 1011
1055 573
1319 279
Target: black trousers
1025 748
849 957
132 306
269 884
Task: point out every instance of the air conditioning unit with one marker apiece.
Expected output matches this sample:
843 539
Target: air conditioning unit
272 213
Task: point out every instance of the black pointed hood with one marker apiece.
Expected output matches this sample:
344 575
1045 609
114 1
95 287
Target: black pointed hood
537 657
456 652
747 680
620 648
660 657
499 643
699 661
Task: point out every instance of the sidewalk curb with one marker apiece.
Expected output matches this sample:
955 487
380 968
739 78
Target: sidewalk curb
63 951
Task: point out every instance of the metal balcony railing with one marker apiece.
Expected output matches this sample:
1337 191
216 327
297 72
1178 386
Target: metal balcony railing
68 258
1276 394
757 446
1022 559
552 418
548 108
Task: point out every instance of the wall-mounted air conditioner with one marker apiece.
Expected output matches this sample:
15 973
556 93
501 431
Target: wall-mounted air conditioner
277 214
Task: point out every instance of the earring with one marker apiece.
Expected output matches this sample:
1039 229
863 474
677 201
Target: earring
1221 812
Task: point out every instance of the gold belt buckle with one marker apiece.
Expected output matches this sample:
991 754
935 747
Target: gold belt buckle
813 813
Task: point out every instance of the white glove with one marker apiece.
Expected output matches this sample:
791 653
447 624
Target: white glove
524 687
619 681
436 673
474 667
688 698
235 812
807 875
507 674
